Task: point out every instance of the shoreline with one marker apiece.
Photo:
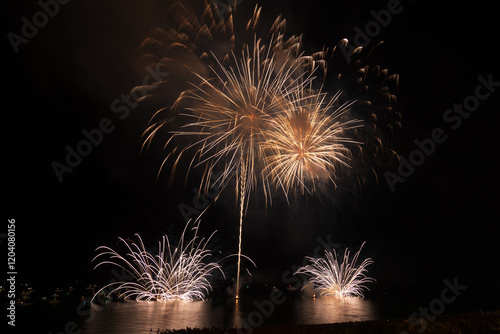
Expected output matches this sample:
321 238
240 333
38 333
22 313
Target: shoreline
471 322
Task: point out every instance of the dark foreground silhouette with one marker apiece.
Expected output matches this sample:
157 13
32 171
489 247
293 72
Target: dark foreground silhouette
468 323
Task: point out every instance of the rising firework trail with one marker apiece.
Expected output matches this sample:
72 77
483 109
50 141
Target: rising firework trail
251 106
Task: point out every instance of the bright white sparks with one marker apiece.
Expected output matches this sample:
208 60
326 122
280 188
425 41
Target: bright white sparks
175 273
331 278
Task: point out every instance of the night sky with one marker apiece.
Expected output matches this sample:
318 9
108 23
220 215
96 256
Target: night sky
442 222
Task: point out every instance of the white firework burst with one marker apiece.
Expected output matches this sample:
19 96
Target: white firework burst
331 278
175 273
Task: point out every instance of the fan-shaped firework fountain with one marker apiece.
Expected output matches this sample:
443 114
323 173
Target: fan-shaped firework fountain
331 278
176 273
251 107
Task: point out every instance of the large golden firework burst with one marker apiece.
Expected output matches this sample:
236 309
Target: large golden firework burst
254 108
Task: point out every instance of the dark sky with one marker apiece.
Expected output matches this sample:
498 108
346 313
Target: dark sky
440 223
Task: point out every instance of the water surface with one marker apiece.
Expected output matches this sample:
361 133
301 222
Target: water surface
141 317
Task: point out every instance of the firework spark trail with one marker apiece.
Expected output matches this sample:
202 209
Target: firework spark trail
242 211
330 278
181 274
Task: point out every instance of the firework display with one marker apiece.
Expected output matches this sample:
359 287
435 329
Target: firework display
230 166
307 142
330 277
251 107
177 272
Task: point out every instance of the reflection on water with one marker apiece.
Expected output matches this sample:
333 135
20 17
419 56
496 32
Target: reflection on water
141 317
333 309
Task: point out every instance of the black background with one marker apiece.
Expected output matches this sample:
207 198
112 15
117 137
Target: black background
442 222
